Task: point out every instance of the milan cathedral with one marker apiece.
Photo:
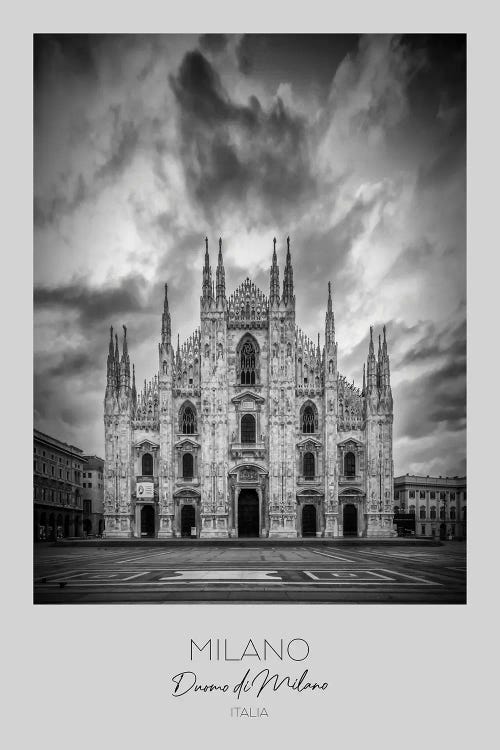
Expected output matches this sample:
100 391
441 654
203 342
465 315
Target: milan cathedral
248 429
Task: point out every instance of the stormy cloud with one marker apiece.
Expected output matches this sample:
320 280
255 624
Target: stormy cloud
239 155
354 146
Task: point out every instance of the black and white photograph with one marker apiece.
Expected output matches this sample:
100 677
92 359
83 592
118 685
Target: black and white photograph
249 340
249 319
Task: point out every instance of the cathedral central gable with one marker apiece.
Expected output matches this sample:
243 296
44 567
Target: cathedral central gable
247 307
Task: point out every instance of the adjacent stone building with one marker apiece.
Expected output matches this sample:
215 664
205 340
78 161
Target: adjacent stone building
93 496
438 504
57 488
248 428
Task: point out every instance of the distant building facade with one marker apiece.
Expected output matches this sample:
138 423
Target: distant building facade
57 488
439 504
93 496
248 428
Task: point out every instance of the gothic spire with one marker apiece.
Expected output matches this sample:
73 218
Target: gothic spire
371 368
125 362
134 391
288 276
385 368
207 275
329 319
111 361
166 326
125 347
111 342
274 296
220 277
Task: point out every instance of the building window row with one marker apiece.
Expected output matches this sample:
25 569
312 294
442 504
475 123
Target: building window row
432 495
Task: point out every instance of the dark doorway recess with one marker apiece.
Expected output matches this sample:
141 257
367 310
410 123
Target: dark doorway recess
309 520
188 519
248 513
148 521
350 520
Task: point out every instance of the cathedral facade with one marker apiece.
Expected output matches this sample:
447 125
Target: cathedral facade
248 429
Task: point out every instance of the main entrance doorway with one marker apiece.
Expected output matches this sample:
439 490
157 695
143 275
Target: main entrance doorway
248 513
188 519
350 520
309 520
147 520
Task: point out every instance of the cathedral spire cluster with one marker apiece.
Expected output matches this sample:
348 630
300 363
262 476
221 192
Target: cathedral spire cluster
378 381
118 381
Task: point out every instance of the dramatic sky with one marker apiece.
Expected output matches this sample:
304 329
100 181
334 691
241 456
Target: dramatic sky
352 146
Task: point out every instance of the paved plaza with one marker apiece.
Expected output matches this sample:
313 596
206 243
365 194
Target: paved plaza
191 573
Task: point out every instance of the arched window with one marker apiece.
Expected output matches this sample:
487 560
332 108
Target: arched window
187 420
453 513
187 465
433 512
147 465
349 464
308 464
248 428
308 420
441 513
422 511
411 510
247 363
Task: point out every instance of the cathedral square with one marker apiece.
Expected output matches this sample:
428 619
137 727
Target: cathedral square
248 428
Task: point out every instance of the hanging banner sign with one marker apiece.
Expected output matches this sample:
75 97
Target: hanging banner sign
145 489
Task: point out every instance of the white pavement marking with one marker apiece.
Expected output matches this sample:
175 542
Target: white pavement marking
223 575
334 557
415 578
137 575
363 575
144 557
